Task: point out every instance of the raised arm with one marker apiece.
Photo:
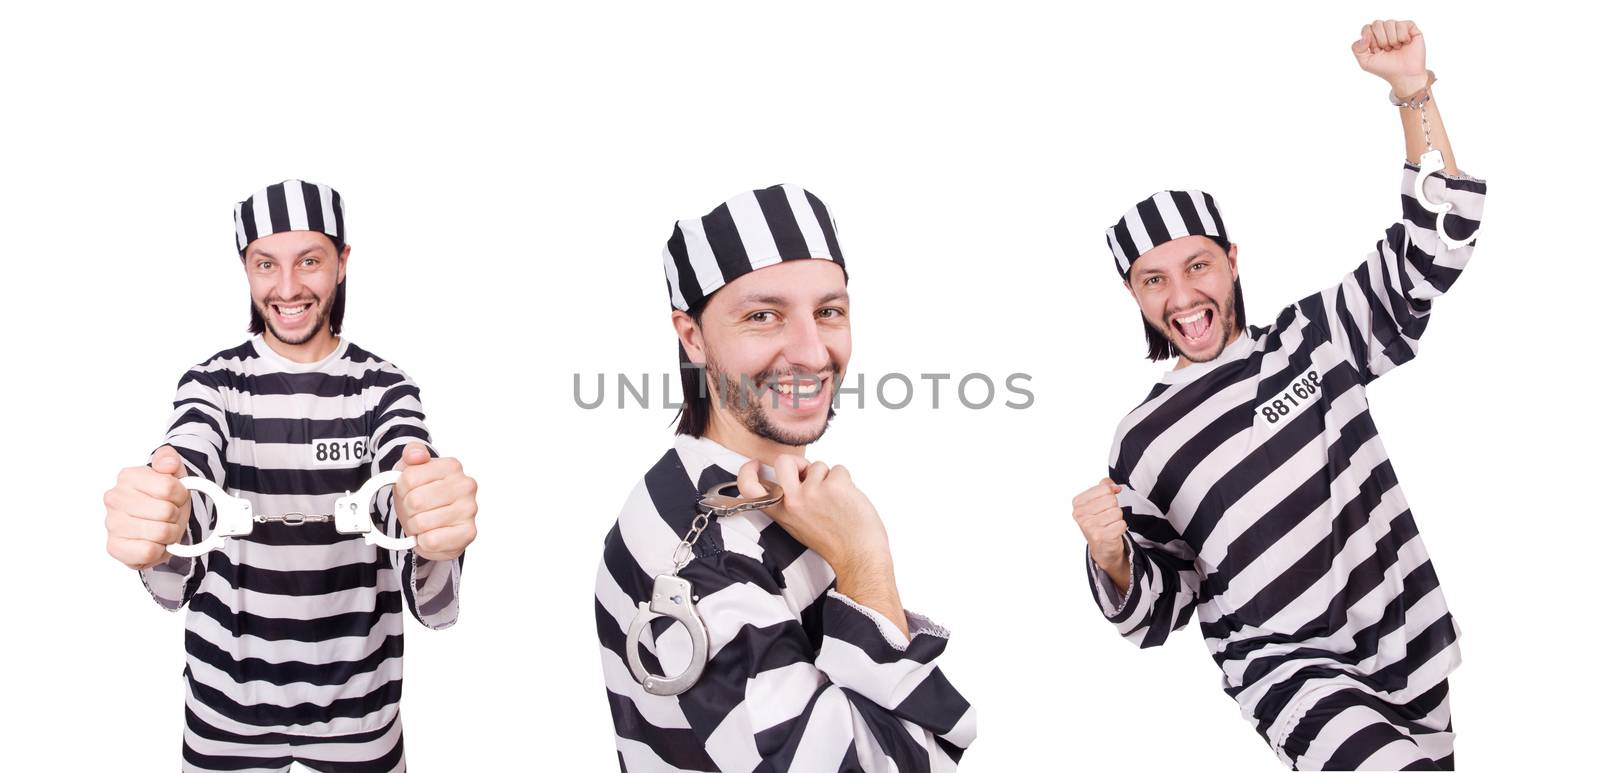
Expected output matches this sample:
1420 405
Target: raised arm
1394 51
1377 313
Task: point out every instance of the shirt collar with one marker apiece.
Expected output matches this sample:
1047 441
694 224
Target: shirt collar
266 352
1237 350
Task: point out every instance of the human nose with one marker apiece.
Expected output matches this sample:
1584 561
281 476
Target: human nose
288 284
803 347
1184 293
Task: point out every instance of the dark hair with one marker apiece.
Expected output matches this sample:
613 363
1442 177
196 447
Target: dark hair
1161 348
335 313
695 413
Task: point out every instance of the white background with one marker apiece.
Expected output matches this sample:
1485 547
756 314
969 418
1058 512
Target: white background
511 178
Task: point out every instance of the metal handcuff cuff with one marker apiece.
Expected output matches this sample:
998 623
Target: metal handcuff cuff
673 597
234 518
1430 162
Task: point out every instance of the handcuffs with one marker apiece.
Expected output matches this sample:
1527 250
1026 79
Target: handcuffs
234 518
673 597
1428 163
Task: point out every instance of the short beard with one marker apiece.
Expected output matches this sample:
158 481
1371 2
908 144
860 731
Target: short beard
324 311
751 414
1226 323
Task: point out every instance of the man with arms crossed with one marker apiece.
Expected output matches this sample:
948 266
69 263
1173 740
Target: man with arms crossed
813 664
1251 484
294 631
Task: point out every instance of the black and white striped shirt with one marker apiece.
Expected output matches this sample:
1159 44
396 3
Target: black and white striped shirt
297 629
1257 491
800 677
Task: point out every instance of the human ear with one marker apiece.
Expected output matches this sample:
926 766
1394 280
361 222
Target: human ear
344 257
690 337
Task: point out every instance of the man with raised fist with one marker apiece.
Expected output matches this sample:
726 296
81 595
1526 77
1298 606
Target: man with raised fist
294 631
810 663
1251 484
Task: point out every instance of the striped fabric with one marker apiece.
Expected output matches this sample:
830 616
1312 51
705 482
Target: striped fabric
1164 216
291 205
749 231
297 630
800 677
207 749
1257 491
1349 729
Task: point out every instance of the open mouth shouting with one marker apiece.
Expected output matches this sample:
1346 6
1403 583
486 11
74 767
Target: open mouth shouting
1195 328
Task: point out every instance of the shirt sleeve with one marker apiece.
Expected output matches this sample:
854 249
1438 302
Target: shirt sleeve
198 431
868 699
1164 586
1377 313
431 588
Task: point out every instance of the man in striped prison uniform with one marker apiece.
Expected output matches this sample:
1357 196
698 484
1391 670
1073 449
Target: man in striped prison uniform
808 670
294 633
1251 484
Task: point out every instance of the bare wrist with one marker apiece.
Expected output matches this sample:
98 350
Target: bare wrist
866 567
1119 568
873 587
1113 559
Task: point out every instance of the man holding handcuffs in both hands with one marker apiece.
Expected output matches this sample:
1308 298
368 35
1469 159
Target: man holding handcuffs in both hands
1251 483
294 632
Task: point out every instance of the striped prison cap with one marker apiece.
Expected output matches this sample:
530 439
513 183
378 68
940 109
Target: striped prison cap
1164 216
752 230
291 205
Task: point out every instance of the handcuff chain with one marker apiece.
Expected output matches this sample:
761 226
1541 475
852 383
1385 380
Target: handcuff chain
684 552
1419 102
293 519
1427 134
714 504
673 597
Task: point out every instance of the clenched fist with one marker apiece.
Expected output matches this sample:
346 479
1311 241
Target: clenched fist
147 510
436 502
1099 517
1392 50
823 509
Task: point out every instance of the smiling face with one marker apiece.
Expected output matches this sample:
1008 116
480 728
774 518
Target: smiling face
775 343
1185 289
293 277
